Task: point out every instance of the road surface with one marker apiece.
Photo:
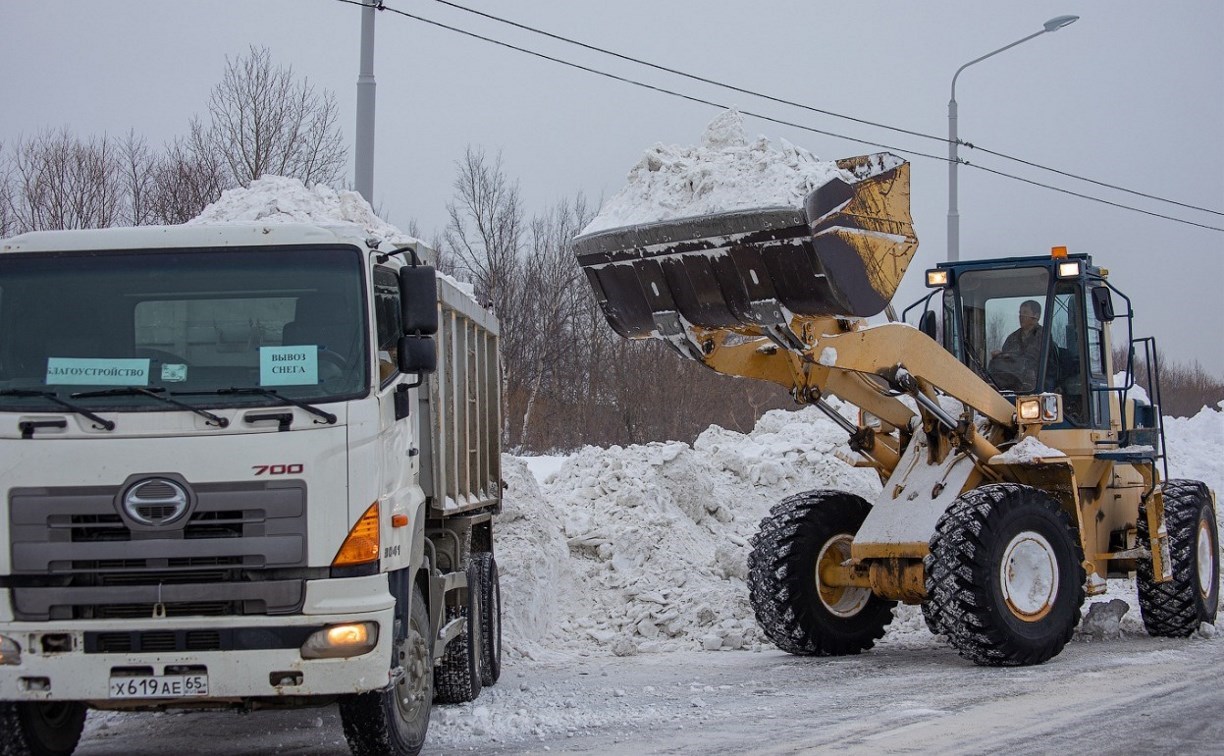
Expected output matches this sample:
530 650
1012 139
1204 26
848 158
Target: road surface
1127 695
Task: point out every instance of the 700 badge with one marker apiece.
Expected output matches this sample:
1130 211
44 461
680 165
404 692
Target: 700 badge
293 469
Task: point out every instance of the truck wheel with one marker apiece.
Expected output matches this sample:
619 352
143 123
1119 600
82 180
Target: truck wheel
50 728
490 618
458 678
1177 607
1005 576
395 720
798 613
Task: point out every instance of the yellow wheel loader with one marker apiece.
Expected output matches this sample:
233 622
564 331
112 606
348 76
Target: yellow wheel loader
1016 476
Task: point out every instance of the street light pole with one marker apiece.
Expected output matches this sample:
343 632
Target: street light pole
363 157
1053 24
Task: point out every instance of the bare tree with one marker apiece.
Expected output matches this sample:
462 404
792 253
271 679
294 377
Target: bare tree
8 224
184 181
485 230
57 180
263 120
137 162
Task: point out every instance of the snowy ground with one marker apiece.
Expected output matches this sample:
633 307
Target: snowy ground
627 628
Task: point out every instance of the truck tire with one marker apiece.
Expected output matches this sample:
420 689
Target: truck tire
490 618
458 678
50 728
1005 576
395 720
1176 608
793 609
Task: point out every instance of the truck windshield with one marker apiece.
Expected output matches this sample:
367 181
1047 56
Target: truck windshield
178 322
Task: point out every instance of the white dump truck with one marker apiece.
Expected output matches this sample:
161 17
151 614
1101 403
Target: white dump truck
243 466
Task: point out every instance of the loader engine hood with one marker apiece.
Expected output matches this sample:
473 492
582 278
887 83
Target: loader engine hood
842 254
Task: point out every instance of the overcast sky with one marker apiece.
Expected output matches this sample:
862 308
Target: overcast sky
1132 95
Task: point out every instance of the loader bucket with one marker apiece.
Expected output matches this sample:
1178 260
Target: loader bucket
842 254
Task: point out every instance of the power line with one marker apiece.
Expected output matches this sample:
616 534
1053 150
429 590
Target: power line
770 119
810 108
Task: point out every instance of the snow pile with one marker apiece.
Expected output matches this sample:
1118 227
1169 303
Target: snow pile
727 171
276 199
644 548
1028 450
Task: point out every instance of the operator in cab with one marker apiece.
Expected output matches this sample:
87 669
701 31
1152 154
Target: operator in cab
1014 365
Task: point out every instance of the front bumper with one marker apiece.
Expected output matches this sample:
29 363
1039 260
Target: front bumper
246 656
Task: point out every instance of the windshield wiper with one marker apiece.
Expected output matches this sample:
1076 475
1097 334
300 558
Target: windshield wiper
156 393
328 417
99 421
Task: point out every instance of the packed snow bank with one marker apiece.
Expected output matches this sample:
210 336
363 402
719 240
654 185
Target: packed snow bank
726 171
654 538
276 199
643 549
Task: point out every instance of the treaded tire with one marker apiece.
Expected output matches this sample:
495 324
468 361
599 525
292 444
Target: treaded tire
41 729
1176 608
1005 576
490 618
458 678
395 721
783 579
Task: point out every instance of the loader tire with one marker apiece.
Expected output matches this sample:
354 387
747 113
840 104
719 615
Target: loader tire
51 728
395 720
1176 608
458 678
1005 576
490 618
793 609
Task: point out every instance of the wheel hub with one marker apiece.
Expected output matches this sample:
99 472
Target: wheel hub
414 656
841 600
1206 558
1029 578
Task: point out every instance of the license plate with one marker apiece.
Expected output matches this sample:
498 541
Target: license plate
159 686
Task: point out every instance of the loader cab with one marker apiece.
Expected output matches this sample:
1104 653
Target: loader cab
1027 325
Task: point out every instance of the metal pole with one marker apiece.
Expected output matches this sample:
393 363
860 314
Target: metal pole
953 162
1053 24
363 158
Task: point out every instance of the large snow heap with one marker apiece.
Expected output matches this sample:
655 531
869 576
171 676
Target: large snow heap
276 199
726 171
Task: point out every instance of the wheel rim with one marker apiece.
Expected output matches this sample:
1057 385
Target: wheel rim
495 626
840 600
1206 558
412 688
1029 578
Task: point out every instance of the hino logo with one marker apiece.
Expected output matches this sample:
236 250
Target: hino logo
156 501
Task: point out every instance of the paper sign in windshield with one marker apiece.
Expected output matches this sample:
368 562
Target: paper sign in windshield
76 371
289 365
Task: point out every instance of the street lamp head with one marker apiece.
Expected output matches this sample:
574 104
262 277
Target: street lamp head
1059 22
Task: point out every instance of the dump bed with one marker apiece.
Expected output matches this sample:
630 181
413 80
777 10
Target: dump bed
460 413
842 254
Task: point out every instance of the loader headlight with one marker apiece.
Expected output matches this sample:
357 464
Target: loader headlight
1068 269
340 641
10 652
1043 408
937 278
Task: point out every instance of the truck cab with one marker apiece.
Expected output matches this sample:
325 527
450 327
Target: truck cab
227 453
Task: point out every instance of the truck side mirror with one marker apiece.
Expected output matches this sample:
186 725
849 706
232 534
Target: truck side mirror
418 288
1102 304
417 354
926 324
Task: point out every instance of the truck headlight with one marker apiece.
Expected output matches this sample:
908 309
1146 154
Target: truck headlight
1043 408
10 652
340 641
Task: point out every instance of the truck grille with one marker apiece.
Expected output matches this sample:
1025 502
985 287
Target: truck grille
75 557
